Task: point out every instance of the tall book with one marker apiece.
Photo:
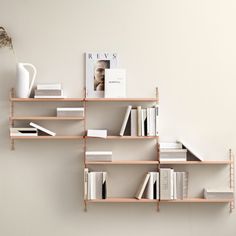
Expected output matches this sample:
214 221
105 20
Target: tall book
134 122
86 183
166 184
139 111
44 130
125 121
142 186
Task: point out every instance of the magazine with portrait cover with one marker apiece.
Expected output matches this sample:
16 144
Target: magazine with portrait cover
96 63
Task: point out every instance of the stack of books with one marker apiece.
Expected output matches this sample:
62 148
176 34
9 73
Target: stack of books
41 130
172 152
98 156
140 121
23 132
49 91
95 186
97 133
173 185
218 194
149 187
70 111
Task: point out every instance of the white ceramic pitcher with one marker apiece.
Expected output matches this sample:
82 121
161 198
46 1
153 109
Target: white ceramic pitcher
23 84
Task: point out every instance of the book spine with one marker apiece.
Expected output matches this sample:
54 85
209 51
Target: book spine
139 120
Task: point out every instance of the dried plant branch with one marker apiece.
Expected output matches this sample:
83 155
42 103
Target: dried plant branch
5 40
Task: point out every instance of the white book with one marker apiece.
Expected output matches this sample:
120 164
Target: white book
127 114
157 120
86 183
148 121
165 184
70 109
98 156
139 112
50 96
152 121
174 185
98 133
158 185
173 150
142 187
115 83
151 185
134 122
218 193
91 186
191 151
48 86
42 129
98 185
23 132
170 145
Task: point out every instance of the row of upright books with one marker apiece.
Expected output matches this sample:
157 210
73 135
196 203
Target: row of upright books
140 121
165 185
95 186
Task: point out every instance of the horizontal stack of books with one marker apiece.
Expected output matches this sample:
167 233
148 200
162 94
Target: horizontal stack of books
166 185
172 152
140 122
98 156
35 131
49 91
70 111
97 133
218 194
95 186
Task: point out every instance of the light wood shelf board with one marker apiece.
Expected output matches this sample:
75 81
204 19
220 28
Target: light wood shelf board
47 137
122 162
125 137
46 118
224 162
122 200
121 100
46 99
198 200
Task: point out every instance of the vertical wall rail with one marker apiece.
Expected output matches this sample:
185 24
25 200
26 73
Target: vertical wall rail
232 183
11 121
158 149
85 148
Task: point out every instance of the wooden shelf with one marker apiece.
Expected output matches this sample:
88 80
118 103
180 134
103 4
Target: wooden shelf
121 99
46 99
122 162
48 137
134 200
125 137
198 200
122 200
46 118
224 162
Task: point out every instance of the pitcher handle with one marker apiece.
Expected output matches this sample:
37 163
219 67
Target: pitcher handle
33 78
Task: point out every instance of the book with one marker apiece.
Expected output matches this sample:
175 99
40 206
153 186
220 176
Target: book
171 145
166 183
173 154
156 120
218 193
50 96
96 63
115 83
125 121
139 112
48 92
152 189
42 129
192 154
134 122
144 122
23 132
98 133
49 86
86 183
70 111
142 186
98 155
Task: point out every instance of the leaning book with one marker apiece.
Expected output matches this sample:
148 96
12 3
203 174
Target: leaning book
96 63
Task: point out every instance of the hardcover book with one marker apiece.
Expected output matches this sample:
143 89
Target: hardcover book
115 83
96 63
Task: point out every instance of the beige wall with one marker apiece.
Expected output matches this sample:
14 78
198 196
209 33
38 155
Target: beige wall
187 48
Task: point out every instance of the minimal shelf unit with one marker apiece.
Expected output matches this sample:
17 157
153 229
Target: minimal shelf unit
14 118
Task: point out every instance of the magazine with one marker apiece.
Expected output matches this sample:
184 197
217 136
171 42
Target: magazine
96 63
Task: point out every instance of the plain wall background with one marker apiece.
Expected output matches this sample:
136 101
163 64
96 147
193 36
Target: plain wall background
187 48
